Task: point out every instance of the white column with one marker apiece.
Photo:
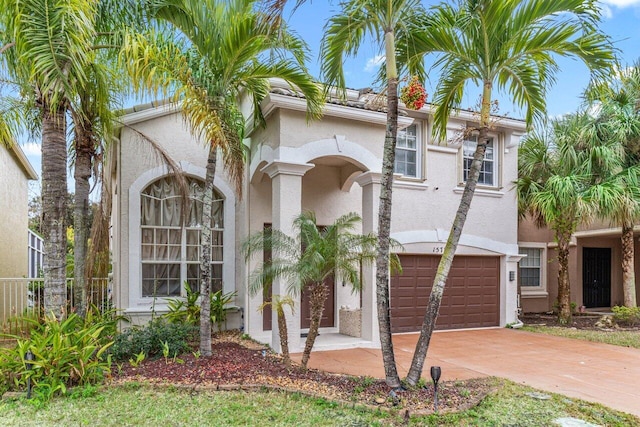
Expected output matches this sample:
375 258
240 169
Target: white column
509 289
286 197
370 183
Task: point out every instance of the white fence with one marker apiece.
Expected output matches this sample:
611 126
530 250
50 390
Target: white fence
21 299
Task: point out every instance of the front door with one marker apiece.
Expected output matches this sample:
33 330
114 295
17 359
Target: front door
328 314
596 277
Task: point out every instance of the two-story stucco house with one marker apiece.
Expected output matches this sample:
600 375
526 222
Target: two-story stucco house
330 166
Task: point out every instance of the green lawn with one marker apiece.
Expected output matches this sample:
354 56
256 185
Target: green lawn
621 338
141 405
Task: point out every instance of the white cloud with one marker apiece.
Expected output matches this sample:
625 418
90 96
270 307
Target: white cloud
31 149
373 63
607 13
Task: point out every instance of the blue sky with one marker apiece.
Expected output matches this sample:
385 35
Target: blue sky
621 20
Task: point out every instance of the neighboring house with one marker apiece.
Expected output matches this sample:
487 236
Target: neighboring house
15 174
595 267
331 166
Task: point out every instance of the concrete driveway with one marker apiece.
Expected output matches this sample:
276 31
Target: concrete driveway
595 372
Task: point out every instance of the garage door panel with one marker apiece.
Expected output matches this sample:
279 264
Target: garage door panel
471 296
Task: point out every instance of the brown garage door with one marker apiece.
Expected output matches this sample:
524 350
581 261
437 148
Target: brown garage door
471 297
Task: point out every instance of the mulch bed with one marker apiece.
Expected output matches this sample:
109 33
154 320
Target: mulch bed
578 321
242 364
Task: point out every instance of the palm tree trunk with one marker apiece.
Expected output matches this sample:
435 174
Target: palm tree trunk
317 296
564 287
205 259
284 337
384 219
435 298
81 226
628 270
54 197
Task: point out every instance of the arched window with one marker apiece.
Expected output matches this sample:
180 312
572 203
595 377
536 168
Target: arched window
170 251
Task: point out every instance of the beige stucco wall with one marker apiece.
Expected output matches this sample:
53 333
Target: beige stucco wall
14 194
137 166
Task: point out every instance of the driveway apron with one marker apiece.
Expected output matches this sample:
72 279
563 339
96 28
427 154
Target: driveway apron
600 373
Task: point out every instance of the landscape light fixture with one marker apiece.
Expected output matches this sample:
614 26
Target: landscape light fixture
435 376
29 357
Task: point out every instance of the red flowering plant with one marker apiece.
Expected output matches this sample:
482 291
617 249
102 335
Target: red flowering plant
413 95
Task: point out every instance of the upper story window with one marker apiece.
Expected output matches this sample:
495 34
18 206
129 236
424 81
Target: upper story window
489 170
170 248
408 152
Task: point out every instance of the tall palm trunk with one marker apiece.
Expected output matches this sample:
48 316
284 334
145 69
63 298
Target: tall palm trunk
318 294
205 259
54 196
384 218
82 174
628 269
435 298
564 288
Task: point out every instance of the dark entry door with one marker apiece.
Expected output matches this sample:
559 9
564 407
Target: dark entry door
328 314
596 277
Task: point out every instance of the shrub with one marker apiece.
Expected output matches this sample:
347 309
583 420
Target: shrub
626 315
184 310
187 310
151 338
67 353
556 307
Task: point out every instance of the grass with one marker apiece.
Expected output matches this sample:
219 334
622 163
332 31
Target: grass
142 405
620 338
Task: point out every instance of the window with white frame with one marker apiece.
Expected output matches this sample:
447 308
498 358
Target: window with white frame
408 148
531 268
170 239
489 170
36 255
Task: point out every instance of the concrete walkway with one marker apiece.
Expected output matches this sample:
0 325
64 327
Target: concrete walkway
595 372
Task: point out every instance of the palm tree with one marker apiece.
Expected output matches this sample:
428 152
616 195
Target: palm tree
617 104
93 118
309 258
93 114
509 44
224 51
389 22
565 181
279 303
50 50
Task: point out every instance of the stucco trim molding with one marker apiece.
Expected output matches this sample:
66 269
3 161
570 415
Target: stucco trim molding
274 101
27 168
338 146
469 240
228 251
